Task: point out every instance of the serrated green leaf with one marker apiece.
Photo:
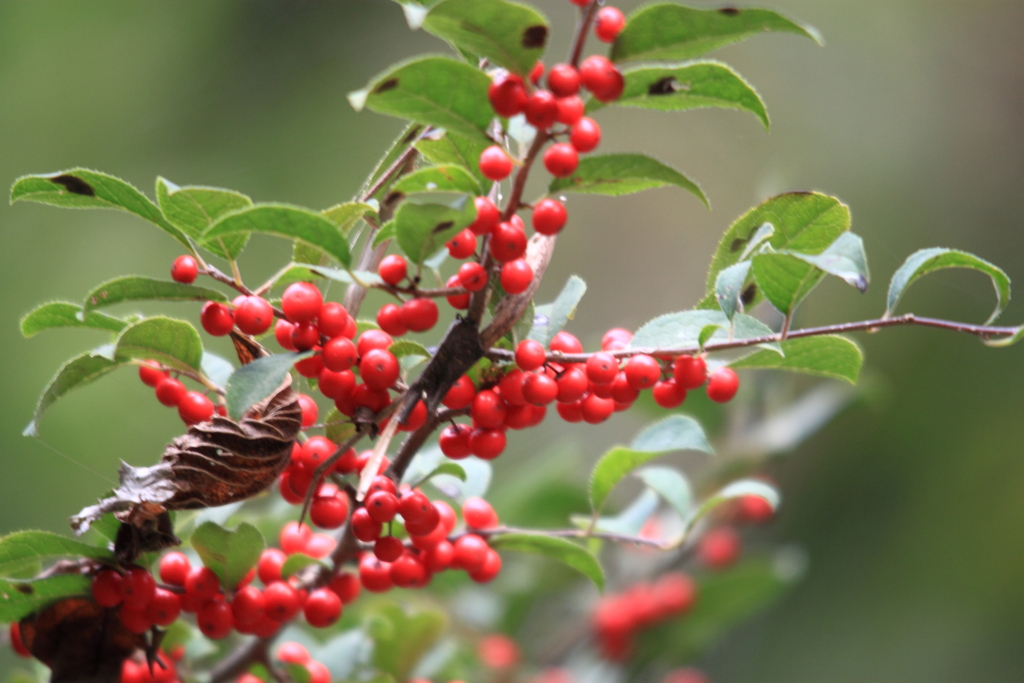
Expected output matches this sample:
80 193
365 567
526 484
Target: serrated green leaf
422 229
559 549
693 85
670 485
193 209
250 384
550 319
729 288
670 31
825 356
174 343
386 232
298 561
450 469
364 325
77 372
683 330
401 637
785 280
433 90
18 599
446 178
706 333
619 174
30 547
507 34
407 347
138 288
443 147
804 222
361 277
339 427
230 554
283 220
346 215
80 188
845 258
925 261
63 314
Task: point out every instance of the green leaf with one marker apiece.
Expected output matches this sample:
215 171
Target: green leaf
193 209
217 369
706 333
449 468
138 288
825 356
925 261
694 85
785 280
80 188
674 433
30 547
296 562
422 229
559 549
77 372
386 232
444 147
804 222
671 485
434 90
230 554
736 489
339 427
729 288
284 221
619 174
507 34
549 319
407 347
670 31
684 330
362 277
18 599
174 343
845 258
629 522
447 178
402 637
63 314
250 384
298 673
346 215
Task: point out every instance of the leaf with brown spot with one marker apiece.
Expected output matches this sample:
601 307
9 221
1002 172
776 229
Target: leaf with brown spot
74 184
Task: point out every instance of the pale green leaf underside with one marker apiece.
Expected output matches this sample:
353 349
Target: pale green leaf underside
174 343
559 549
550 319
252 383
24 548
33 595
193 209
422 229
683 330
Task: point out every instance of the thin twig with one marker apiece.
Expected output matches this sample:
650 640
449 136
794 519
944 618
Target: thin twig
573 533
582 29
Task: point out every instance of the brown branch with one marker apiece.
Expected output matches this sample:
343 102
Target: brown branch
579 38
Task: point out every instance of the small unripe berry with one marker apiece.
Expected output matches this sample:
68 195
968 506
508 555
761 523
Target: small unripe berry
184 269
393 269
495 163
487 216
195 408
549 216
301 302
216 318
610 22
561 159
722 385
585 135
254 315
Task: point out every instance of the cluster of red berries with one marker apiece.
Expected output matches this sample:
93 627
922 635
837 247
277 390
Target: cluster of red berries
193 407
618 616
721 547
164 669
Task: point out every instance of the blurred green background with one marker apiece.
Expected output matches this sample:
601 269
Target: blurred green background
909 505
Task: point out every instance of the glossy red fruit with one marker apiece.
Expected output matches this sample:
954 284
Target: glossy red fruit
382 506
754 509
580 3
463 245
332 320
668 394
151 374
461 394
564 80
305 336
622 392
572 385
174 567
498 651
541 109
106 588
293 653
137 588
440 556
393 269
216 319
566 343
170 392
269 566
301 302
511 386
408 572
570 109
508 242
420 515
339 354
487 444
488 409
616 339
282 601
310 410
561 159
719 548
549 216
516 276
722 385
609 23
388 548
601 78
322 608
570 412
374 574
329 512
283 334
248 605
312 366
585 135
202 583
454 441
530 355
642 371
472 276
254 315
134 619
690 372
364 527
382 483
458 301
490 568
163 609
537 72
507 95
195 408
595 409
602 368
379 369
495 163
184 269
487 216
346 586
479 514
539 389
294 537
336 384
419 315
470 553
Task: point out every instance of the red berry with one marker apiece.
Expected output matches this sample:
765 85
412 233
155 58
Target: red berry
323 608
16 642
382 483
570 412
595 409
310 410
472 276
616 339
602 368
610 21
642 371
690 372
163 609
537 72
216 318
470 553
541 109
487 444
585 135
461 394
283 334
365 528
487 216
282 601
490 568
320 546
459 301
722 385
170 392
511 386
269 566
134 619
382 506
479 514
215 620
184 269
339 354
498 651
570 109
408 572
495 164
462 245
293 653
254 315
508 242
379 369
507 95
580 3
668 394
137 588
530 355
151 375
294 537
561 159
572 385
539 389
419 315
336 384
174 567
305 336
392 269
549 216
600 77
622 391
454 441
329 512
388 548
106 588
488 409
332 320
202 583
440 556
374 399
564 80
347 463
566 343
754 509
248 605
516 276
520 416
420 515
195 408
346 586
374 574
301 302
719 548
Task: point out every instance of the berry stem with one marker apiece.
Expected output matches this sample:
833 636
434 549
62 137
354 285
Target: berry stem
582 29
